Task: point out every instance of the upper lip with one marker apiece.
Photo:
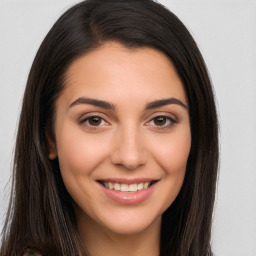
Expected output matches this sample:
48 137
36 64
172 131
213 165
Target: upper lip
127 181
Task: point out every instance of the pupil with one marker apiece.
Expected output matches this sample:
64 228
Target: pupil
95 120
160 121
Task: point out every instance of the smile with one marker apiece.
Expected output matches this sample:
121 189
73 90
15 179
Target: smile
126 187
128 192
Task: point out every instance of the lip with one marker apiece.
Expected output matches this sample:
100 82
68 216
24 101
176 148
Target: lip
128 198
128 181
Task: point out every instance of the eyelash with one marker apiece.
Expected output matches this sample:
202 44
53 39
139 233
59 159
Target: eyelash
167 119
171 122
87 119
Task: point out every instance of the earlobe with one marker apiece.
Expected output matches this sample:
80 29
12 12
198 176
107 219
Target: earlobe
52 155
51 145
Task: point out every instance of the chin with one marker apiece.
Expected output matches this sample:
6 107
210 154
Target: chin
132 224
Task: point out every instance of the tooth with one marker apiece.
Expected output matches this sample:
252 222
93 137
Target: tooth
145 185
105 184
124 187
116 186
110 185
132 188
140 186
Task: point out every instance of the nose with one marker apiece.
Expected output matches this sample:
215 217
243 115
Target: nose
129 149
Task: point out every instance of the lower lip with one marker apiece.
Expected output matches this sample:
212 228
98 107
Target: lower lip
129 198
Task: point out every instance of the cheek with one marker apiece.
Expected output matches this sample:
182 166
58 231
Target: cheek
78 153
172 153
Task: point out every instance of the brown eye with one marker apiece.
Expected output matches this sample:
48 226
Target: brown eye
94 121
160 120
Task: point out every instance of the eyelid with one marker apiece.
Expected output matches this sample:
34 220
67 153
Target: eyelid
163 114
86 116
169 116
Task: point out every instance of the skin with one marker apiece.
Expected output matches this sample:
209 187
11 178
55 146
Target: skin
129 141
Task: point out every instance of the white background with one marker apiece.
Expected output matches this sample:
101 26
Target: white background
225 31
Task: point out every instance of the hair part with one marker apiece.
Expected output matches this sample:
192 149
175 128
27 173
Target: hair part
41 213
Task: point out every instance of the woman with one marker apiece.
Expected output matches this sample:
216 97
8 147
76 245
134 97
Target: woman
117 146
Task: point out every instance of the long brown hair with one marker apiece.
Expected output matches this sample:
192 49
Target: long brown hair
41 214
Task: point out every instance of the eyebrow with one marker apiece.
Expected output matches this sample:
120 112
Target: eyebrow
111 106
164 102
94 102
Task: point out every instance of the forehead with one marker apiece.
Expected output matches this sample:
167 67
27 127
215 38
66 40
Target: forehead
113 71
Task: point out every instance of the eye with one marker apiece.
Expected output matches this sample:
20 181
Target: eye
94 121
162 121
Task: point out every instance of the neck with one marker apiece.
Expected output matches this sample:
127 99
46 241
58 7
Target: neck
101 241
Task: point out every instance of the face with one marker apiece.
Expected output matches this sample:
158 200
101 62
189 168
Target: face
122 137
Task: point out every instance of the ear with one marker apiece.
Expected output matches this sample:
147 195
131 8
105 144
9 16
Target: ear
51 145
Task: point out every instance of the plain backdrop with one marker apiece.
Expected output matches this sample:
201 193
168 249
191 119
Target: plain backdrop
225 31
